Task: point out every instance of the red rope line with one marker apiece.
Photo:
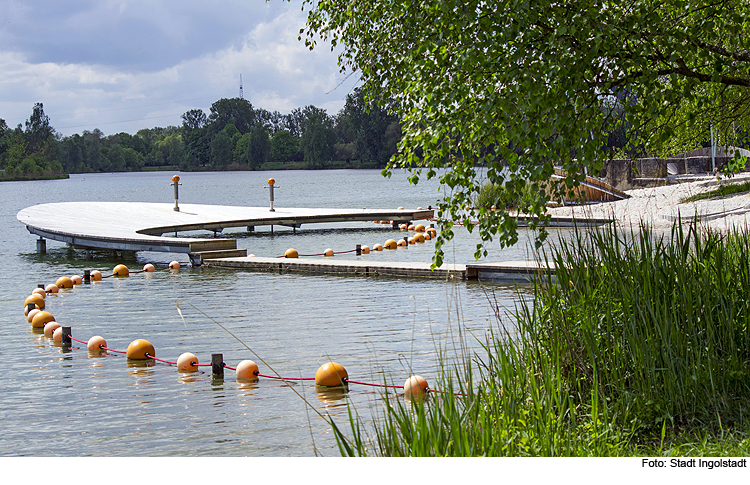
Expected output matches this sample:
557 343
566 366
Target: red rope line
79 341
160 360
320 254
113 350
370 384
288 378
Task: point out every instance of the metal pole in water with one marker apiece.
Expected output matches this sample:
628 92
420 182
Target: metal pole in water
176 183
66 341
41 246
217 367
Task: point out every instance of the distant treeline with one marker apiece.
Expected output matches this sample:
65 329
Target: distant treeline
232 136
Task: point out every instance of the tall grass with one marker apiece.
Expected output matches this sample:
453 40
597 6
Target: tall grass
642 341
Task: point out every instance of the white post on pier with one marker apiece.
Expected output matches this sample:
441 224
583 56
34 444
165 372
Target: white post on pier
176 183
271 186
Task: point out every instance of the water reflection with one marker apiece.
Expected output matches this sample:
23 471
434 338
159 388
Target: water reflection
189 377
327 395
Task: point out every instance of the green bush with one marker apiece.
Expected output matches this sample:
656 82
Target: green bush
640 346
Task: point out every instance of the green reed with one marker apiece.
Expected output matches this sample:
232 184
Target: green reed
638 345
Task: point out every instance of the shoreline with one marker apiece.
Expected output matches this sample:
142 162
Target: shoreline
660 207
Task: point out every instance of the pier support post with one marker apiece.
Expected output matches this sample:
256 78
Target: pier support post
358 248
406 240
217 367
41 246
87 276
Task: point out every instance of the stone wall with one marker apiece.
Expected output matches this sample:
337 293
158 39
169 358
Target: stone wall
626 174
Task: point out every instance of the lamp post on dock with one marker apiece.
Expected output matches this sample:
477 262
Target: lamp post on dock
176 183
271 186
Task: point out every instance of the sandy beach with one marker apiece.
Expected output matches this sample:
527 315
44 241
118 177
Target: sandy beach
660 207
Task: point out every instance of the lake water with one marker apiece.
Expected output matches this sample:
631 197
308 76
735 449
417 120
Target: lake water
55 403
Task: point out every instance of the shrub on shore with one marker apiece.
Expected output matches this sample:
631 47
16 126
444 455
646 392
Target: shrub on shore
640 346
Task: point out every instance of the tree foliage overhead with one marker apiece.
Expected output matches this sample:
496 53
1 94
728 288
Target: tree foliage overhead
519 86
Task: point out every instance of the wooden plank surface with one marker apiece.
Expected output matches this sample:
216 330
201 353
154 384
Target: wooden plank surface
339 266
130 224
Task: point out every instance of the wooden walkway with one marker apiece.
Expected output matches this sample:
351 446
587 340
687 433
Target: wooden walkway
139 226
507 271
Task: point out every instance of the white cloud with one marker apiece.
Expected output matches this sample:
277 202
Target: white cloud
115 93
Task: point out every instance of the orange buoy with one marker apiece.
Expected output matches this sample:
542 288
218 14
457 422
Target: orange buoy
138 349
36 299
271 181
432 231
96 275
411 227
149 268
42 318
415 386
247 370
49 329
427 236
120 270
51 288
403 226
390 244
328 252
96 343
175 178
57 335
64 282
331 374
401 242
187 362
77 280
40 292
291 253
419 228
400 208
419 208
365 249
174 265
377 247
32 314
419 237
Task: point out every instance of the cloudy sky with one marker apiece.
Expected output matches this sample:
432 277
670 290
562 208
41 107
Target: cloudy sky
127 65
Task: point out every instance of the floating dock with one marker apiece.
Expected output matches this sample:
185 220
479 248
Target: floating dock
507 271
140 226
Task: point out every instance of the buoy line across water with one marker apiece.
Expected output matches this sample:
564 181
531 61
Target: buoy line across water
328 375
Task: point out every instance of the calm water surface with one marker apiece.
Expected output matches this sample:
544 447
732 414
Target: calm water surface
382 330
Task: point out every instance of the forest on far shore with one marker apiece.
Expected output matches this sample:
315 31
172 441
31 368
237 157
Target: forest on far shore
232 136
